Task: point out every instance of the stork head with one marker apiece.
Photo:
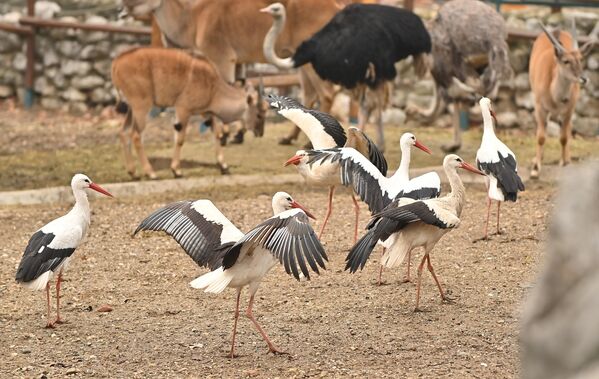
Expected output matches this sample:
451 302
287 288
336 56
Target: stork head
485 106
81 182
454 162
282 201
408 140
276 10
300 157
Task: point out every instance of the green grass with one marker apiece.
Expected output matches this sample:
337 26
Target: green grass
104 163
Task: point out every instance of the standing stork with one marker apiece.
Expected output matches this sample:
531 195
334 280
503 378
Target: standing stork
358 49
406 224
324 131
50 248
498 162
239 260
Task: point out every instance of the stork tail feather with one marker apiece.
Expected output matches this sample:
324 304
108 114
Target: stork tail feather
214 281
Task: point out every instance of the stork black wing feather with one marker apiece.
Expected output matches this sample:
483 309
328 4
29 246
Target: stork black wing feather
289 238
360 35
38 258
193 231
507 177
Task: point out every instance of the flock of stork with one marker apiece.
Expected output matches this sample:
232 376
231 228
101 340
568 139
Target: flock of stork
406 214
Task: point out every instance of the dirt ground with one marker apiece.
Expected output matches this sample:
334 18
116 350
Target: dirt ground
336 325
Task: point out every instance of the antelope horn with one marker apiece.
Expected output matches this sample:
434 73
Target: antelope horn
463 86
574 34
554 41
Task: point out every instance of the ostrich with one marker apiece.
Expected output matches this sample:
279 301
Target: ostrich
357 49
469 58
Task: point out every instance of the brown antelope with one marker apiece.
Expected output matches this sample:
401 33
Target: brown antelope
556 73
148 76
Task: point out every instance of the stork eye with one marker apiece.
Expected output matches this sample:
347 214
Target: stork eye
289 199
86 180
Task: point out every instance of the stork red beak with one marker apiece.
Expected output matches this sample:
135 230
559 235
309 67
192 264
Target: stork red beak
97 188
471 168
295 160
494 115
295 204
422 147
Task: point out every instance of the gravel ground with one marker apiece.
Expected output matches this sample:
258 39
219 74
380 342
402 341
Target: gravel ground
335 325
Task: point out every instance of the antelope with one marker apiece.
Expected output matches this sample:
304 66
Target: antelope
556 73
148 76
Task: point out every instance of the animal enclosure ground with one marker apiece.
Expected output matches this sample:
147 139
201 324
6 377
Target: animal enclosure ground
335 325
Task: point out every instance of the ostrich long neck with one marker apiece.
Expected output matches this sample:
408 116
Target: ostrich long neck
457 196
269 44
174 20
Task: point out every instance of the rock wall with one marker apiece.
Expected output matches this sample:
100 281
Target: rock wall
72 69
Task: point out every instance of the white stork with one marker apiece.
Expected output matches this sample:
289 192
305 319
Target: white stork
50 248
239 260
353 169
324 132
499 164
407 223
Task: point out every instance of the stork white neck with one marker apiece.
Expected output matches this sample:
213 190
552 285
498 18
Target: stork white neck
81 207
402 174
488 130
457 195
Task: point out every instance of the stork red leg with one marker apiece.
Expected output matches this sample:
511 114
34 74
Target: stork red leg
407 279
357 210
380 282
232 354
58 282
271 347
488 215
498 205
420 267
48 324
329 211
432 271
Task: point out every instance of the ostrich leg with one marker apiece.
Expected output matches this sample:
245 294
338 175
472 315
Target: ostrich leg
457 131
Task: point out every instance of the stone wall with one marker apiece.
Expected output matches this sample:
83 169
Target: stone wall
72 68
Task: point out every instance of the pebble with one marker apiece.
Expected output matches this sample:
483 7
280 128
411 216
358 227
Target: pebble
72 371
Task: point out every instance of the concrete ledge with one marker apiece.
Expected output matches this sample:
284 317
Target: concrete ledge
63 194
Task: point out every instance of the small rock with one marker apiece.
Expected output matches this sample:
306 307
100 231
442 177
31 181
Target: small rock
19 62
75 67
507 119
525 100
42 85
521 82
105 308
68 48
78 108
51 103
46 9
72 371
9 42
25 350
87 82
50 57
394 116
72 94
6 91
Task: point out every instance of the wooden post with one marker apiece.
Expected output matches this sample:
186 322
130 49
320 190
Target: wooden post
30 68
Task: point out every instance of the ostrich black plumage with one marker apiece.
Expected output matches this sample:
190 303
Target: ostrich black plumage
358 50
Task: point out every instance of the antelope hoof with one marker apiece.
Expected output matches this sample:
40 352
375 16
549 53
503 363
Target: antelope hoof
177 173
133 175
451 148
285 141
238 139
564 163
225 171
152 176
223 139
